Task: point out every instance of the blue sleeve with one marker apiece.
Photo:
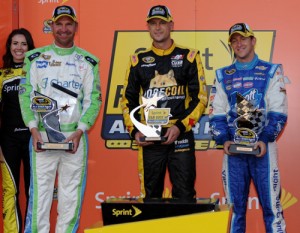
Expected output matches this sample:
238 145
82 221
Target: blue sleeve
219 129
275 125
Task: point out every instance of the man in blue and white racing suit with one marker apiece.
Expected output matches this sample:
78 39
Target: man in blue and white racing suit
263 85
68 76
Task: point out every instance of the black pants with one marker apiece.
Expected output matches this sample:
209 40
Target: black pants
179 159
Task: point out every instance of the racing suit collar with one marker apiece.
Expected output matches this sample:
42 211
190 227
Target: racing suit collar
62 51
247 65
162 52
17 65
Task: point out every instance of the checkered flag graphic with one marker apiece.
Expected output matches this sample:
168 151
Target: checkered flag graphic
243 106
257 118
249 117
157 128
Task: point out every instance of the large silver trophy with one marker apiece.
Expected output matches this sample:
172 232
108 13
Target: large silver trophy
248 125
155 117
50 111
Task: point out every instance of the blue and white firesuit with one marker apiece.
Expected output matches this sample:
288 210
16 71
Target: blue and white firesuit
263 84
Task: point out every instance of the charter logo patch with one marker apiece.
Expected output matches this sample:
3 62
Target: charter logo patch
214 53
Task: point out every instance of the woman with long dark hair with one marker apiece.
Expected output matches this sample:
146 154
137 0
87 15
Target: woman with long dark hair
14 134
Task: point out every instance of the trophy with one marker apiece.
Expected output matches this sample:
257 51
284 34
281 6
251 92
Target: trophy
50 114
248 125
155 117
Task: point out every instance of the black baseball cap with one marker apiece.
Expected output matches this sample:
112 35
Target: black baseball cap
161 12
63 11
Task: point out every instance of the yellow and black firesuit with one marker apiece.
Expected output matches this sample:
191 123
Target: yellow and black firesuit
178 74
15 148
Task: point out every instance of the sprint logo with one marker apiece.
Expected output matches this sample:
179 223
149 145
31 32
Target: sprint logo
287 199
130 212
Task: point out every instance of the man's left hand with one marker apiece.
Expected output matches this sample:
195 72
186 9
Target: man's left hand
171 134
263 148
75 138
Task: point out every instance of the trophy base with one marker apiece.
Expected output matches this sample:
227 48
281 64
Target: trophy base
243 149
153 139
55 146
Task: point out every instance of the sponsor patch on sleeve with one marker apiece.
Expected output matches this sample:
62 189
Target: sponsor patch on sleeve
34 55
91 60
134 59
192 54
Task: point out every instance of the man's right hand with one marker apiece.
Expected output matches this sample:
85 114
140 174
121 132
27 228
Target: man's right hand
36 137
226 147
137 137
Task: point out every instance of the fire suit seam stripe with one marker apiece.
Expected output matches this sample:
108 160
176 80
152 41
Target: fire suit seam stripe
269 181
81 188
197 111
35 194
227 187
29 116
31 218
273 165
86 117
141 171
